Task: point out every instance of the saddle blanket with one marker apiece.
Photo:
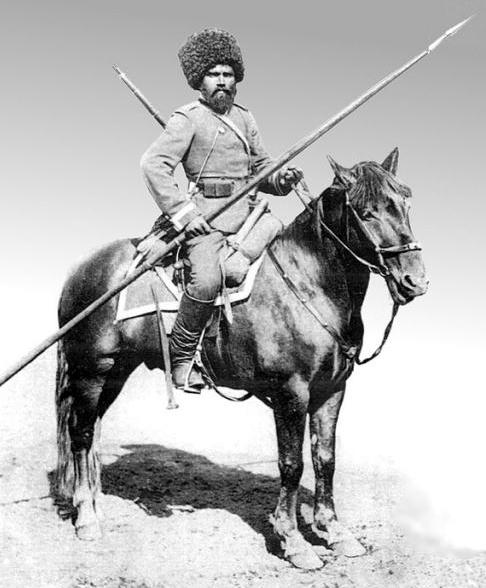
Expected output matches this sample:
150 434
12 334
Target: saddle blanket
138 298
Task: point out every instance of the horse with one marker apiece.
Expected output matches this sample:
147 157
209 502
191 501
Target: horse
293 343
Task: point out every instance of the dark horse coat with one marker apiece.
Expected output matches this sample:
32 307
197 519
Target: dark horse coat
296 354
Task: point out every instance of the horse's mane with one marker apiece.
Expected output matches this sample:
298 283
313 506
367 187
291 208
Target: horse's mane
372 181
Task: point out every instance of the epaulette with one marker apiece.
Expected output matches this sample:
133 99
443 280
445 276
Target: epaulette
188 107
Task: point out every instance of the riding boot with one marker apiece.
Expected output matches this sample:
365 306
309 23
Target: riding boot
191 319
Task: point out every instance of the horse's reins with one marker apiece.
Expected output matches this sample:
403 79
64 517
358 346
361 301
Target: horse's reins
350 351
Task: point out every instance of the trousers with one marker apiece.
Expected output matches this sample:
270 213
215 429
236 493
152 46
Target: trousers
204 253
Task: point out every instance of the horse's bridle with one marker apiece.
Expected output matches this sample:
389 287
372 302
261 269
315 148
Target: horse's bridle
381 251
380 268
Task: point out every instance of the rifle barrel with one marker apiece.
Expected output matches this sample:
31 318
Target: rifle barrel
152 110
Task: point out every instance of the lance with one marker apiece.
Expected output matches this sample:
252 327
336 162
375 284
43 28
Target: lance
166 248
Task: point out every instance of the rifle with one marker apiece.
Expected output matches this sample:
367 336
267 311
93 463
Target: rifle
166 248
155 113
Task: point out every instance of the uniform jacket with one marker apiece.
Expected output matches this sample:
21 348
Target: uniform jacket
211 153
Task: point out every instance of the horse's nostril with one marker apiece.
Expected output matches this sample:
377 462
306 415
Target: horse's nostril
415 283
409 281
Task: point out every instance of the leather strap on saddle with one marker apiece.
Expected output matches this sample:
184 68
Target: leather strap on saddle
164 345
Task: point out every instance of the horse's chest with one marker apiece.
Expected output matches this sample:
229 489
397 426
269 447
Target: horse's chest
273 348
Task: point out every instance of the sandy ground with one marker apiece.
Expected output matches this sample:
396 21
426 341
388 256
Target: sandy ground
187 495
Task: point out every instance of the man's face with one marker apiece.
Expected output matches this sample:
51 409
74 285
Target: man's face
218 87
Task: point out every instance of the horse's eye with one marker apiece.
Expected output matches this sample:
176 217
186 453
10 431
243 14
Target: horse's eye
407 193
366 215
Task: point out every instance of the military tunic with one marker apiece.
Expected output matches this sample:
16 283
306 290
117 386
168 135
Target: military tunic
219 155
212 155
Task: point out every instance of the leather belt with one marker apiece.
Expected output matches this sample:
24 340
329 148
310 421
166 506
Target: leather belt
219 187
216 189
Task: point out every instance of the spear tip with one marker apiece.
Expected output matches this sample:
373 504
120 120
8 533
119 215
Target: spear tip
452 31
117 69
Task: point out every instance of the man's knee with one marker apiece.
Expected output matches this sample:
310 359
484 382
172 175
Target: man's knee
205 259
204 285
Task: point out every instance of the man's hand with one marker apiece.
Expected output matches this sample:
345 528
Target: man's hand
289 176
198 226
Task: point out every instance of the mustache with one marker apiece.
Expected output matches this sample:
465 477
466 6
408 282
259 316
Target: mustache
225 90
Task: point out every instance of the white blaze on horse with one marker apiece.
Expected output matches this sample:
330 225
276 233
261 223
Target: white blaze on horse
293 343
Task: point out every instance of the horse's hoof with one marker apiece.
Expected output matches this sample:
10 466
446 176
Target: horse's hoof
88 532
349 547
300 554
306 561
340 540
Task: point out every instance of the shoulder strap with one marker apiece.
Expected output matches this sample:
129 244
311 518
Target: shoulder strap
230 124
187 107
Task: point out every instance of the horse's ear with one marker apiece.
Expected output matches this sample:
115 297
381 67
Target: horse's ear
391 162
343 174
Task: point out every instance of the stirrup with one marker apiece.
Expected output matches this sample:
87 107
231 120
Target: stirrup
184 379
187 386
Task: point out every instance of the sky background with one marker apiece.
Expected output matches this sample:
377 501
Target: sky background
72 136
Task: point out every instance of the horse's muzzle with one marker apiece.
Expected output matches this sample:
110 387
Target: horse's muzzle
407 278
407 287
415 286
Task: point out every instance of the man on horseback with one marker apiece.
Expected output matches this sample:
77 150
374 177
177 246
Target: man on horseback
218 143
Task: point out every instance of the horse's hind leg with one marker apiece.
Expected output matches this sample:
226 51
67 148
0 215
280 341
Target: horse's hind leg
81 400
86 391
290 411
323 421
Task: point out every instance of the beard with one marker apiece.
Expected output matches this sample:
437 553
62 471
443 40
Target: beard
221 101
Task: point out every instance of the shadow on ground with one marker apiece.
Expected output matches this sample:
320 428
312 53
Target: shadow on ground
158 479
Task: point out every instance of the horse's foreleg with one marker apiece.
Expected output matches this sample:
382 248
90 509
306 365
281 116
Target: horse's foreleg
323 421
290 410
87 485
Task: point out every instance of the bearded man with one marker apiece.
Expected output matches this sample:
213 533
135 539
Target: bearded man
219 145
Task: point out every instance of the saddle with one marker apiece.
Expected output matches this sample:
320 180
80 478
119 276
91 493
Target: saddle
161 289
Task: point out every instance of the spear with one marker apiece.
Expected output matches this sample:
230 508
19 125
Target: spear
166 248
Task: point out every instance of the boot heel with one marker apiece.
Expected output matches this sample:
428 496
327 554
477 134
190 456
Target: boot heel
190 390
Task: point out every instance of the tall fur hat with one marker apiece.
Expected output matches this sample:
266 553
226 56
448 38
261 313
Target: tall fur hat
204 50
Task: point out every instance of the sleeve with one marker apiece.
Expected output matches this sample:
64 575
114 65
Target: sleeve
158 164
261 159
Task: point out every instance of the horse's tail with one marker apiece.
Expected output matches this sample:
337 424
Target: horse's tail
65 462
64 400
